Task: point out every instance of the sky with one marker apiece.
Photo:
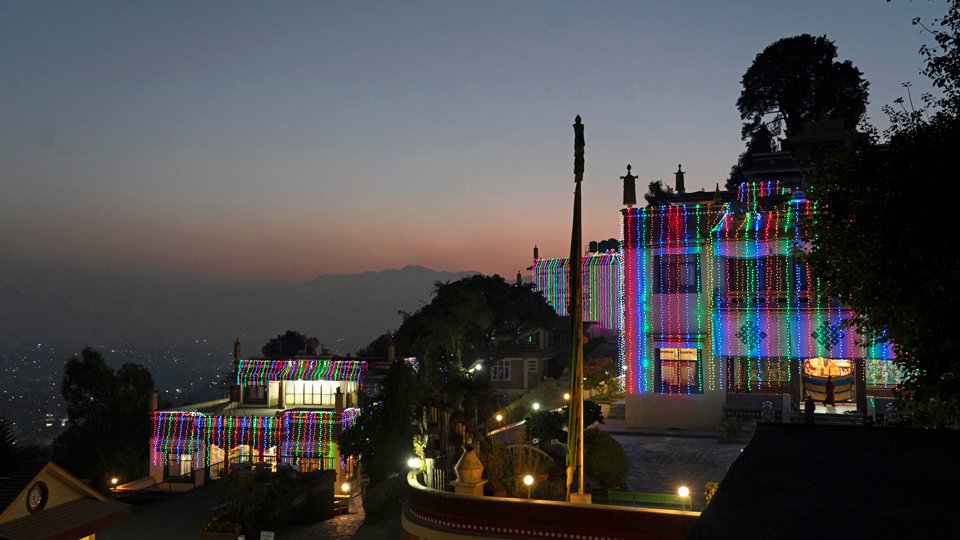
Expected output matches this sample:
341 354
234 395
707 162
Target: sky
276 141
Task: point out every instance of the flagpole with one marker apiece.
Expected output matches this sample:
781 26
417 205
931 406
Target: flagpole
575 304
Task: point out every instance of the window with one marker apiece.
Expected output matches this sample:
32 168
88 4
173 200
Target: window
312 392
676 274
763 274
500 371
678 371
255 395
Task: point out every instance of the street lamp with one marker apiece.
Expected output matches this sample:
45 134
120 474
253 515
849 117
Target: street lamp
114 480
566 396
345 487
528 481
499 418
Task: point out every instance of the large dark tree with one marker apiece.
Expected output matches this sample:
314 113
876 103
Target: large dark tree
109 413
290 343
798 79
884 244
383 436
9 449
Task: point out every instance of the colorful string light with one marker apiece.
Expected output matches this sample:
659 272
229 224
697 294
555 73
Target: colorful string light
601 287
261 371
725 280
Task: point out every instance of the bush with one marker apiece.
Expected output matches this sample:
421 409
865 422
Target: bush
604 460
385 500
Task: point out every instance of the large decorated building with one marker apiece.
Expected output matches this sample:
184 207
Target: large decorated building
718 304
280 411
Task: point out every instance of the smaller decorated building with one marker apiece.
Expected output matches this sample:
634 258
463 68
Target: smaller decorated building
602 280
280 411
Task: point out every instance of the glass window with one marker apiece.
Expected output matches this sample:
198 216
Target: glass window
500 371
762 274
678 371
676 274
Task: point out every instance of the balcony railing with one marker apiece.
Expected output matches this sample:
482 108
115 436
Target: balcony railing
431 511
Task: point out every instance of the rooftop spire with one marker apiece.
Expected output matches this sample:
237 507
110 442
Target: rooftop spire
629 189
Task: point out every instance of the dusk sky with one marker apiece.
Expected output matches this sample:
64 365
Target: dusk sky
266 141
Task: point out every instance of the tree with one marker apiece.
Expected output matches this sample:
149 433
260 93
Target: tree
109 414
943 60
658 194
885 248
383 436
797 79
9 449
290 343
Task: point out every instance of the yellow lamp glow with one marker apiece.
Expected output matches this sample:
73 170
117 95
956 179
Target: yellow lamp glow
345 487
683 491
528 480
114 480
499 418
413 463
566 396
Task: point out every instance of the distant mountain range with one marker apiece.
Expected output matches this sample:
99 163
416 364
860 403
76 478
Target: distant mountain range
72 307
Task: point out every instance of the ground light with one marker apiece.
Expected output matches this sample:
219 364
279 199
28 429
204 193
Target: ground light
345 487
414 463
113 481
566 396
528 481
536 406
499 418
684 493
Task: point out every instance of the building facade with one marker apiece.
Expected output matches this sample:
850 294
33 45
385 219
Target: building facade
716 300
281 411
601 286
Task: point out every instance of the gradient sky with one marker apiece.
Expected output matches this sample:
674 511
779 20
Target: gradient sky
276 141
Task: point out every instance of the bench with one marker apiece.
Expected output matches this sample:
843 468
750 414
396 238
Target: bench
648 499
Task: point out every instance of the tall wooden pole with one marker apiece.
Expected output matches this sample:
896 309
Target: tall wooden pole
575 304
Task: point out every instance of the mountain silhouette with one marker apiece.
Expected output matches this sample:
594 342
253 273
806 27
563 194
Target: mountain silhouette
73 307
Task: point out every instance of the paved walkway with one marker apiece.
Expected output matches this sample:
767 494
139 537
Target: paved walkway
345 527
661 464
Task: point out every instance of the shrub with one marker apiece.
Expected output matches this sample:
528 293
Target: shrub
604 460
385 499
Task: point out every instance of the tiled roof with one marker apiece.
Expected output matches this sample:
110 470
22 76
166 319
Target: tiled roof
68 521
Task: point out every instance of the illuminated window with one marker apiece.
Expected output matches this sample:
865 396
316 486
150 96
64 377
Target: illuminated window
500 371
321 393
676 274
678 371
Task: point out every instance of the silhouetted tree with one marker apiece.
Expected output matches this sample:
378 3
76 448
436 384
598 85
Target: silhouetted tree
893 258
797 79
657 194
383 434
109 417
9 449
290 343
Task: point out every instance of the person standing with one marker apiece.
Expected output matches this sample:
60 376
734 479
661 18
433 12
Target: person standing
808 409
828 400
